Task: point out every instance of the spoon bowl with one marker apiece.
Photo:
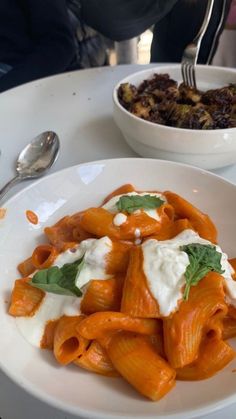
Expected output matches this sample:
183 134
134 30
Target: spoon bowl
38 156
35 159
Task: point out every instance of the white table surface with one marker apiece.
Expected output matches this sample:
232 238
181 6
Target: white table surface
78 106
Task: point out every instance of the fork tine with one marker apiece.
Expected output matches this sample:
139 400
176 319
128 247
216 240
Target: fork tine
194 78
187 73
191 74
183 72
190 69
191 51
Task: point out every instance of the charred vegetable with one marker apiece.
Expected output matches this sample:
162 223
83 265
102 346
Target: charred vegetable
162 101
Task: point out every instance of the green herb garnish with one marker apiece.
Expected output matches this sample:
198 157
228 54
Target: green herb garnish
203 258
131 203
59 280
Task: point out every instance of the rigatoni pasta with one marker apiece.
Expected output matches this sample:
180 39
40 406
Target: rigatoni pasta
137 288
184 331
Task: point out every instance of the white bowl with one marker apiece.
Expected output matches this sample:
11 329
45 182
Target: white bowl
76 391
208 149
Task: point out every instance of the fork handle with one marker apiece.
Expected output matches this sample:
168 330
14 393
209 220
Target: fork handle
9 185
216 36
198 38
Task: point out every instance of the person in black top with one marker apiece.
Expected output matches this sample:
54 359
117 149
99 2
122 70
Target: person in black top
176 23
36 40
36 37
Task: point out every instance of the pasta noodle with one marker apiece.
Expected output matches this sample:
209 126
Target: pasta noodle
98 325
68 343
137 300
47 341
43 256
25 299
214 355
183 332
200 222
95 359
229 328
99 222
138 362
136 287
26 267
102 295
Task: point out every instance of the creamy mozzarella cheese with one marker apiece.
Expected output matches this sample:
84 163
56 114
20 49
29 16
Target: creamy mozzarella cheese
95 252
119 219
111 204
137 234
165 264
95 261
54 306
230 284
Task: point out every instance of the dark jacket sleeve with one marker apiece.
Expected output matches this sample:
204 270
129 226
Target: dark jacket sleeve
52 43
124 19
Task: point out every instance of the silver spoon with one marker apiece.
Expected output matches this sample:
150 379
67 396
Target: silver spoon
35 159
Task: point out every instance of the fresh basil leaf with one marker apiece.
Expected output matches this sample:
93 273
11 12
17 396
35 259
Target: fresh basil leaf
70 272
131 203
203 258
59 280
71 269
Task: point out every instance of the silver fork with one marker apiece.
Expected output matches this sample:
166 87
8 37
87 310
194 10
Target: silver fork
190 55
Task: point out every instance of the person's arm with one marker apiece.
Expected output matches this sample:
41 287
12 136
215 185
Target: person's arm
123 19
52 43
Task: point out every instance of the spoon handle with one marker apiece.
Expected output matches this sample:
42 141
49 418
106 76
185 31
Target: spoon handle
9 185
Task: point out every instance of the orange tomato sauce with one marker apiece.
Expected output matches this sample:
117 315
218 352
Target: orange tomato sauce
32 217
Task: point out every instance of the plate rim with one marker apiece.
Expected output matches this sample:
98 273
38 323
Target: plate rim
33 390
119 159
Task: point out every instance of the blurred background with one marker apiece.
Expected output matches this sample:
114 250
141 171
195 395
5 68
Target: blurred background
39 39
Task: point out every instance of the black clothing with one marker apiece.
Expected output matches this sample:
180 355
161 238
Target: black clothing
179 27
35 38
124 19
176 23
91 48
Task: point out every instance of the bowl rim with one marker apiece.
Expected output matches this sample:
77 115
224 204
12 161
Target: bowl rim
207 68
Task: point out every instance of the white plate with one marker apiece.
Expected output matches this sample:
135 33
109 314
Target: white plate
65 192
